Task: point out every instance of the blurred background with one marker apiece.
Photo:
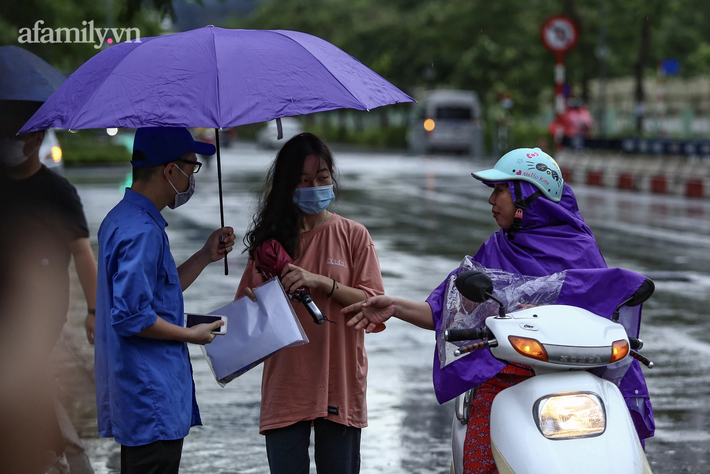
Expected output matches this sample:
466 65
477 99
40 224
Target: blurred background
641 68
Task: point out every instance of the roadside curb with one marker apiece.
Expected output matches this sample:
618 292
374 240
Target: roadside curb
676 175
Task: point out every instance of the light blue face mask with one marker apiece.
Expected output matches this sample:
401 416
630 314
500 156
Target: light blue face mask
314 200
182 197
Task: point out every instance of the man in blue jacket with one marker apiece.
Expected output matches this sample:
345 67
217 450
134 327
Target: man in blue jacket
145 394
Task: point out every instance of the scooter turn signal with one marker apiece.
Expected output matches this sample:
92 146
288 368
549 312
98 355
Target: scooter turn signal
528 347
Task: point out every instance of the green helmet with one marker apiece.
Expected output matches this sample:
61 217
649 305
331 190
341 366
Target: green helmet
527 164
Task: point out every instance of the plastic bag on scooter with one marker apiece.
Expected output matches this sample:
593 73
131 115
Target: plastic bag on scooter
515 291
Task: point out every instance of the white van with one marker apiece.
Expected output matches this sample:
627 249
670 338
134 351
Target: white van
447 120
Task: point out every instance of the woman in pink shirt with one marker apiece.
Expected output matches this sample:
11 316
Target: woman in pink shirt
323 383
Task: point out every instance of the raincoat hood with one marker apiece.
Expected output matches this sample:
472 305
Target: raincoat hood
552 237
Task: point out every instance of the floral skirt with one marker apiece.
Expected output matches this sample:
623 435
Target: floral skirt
477 453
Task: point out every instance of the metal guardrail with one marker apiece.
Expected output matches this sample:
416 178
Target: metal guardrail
641 146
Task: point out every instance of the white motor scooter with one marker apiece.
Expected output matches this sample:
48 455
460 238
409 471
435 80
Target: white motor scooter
565 419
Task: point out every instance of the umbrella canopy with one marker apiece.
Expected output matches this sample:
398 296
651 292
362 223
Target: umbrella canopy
213 77
25 76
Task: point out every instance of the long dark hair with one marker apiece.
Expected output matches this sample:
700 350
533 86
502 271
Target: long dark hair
278 217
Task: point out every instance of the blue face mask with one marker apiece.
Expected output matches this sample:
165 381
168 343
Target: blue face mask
314 200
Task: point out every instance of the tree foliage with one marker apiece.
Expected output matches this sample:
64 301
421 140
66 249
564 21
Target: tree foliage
492 47
495 47
66 57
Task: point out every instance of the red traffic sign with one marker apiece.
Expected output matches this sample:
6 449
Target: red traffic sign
559 34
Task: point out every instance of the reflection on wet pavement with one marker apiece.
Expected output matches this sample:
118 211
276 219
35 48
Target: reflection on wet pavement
424 216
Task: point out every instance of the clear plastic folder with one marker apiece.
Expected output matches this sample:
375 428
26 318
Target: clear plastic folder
255 331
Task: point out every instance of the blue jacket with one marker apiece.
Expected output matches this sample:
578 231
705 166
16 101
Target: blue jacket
144 387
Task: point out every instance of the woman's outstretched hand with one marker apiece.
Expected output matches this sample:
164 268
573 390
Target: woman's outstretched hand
371 313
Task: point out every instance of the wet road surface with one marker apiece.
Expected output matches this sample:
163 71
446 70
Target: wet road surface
424 215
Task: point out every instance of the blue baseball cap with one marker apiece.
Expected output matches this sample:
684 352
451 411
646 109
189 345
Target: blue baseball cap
162 145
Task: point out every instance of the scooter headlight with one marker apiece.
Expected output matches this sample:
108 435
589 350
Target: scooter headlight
570 415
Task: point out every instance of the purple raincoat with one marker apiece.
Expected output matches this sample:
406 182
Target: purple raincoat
553 237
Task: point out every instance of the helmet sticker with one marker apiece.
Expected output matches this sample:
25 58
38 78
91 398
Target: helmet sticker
543 167
534 175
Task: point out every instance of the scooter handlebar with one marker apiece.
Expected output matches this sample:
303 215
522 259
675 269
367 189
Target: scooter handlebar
642 359
453 335
636 344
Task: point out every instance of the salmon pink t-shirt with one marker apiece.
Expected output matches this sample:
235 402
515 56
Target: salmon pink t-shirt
326 378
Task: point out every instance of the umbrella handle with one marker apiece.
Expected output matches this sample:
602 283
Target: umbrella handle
221 202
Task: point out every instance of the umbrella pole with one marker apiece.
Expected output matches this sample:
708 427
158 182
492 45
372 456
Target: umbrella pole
221 202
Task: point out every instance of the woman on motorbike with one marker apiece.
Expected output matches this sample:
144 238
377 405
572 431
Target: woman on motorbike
541 232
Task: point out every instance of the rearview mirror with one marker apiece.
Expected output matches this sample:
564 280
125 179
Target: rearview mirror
642 294
474 285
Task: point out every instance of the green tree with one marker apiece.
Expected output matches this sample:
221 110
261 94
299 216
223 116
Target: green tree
490 47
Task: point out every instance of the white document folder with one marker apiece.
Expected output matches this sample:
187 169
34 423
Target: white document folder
255 331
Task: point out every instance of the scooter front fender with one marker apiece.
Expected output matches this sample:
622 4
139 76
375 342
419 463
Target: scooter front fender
519 447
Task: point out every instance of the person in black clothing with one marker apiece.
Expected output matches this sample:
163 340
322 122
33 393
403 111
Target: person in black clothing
46 203
43 226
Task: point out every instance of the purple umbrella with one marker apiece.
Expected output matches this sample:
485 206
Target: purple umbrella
212 77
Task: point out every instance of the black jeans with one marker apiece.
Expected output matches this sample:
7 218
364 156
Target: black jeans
337 448
161 457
